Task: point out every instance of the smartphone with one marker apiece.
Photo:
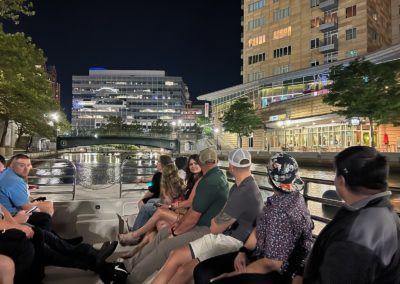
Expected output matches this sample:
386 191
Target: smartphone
32 209
157 204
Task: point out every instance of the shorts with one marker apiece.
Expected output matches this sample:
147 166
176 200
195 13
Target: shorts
211 245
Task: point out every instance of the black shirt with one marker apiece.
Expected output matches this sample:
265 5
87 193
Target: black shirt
155 187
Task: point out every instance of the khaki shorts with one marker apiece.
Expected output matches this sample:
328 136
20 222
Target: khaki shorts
211 245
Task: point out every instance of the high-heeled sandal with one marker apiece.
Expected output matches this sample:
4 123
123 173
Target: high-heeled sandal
128 239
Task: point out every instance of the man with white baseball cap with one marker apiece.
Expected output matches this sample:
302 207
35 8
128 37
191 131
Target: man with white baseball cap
229 229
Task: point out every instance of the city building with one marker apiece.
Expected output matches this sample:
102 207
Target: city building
280 36
136 96
55 86
288 48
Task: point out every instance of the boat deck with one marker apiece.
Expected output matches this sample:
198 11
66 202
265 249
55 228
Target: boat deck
93 215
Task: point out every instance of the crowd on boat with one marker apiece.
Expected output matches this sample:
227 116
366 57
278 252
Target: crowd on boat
191 227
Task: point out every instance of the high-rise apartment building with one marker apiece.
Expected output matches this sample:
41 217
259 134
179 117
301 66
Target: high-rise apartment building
288 48
134 95
280 36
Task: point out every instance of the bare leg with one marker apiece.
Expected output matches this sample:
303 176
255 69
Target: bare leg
147 239
7 270
176 258
160 214
185 272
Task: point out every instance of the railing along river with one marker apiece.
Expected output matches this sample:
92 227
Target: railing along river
53 169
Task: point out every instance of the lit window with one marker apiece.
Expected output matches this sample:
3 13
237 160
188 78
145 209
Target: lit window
315 22
351 11
256 40
282 33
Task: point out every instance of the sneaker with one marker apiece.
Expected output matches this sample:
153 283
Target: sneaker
115 273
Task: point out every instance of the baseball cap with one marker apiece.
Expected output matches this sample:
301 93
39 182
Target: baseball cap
239 158
208 154
283 171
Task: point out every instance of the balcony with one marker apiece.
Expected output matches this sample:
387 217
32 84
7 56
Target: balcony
328 26
329 46
326 5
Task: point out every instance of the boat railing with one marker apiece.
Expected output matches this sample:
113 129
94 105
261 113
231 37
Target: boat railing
332 203
125 166
49 174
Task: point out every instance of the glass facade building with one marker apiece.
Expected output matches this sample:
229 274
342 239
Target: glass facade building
134 95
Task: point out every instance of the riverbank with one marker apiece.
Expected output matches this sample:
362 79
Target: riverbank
313 159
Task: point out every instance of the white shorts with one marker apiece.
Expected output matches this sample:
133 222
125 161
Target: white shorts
211 245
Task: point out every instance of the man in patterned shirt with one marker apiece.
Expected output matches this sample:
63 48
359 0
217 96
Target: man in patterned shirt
279 244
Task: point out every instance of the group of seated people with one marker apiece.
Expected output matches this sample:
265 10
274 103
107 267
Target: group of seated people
27 242
199 230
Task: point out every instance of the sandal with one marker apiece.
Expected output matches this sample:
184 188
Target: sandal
128 239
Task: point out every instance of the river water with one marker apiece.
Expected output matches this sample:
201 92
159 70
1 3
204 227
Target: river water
102 170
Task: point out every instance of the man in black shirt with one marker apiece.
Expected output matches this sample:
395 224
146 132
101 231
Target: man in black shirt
362 242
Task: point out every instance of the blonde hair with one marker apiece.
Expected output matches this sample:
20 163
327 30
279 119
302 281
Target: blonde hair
172 186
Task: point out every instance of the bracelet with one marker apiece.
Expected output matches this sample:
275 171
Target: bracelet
172 232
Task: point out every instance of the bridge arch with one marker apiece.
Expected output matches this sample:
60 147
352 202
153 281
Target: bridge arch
65 142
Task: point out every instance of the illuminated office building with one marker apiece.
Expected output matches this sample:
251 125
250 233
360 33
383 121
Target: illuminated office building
134 95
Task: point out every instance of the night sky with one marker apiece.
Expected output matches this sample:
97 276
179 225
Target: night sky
197 40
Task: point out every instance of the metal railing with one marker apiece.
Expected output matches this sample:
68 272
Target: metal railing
123 167
306 193
49 174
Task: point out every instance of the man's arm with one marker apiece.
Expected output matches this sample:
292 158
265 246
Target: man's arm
221 222
9 223
335 266
188 222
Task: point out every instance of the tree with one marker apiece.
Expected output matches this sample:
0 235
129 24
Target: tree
10 9
241 119
161 126
364 89
204 125
25 90
115 124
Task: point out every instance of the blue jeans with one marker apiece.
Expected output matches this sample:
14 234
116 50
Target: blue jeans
145 213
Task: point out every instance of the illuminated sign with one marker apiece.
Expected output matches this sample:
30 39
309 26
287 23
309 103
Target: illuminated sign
277 117
206 109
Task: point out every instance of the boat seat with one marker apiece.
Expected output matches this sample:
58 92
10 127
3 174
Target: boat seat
98 228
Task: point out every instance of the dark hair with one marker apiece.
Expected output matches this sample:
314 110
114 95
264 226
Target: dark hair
190 177
363 168
2 160
181 162
165 160
16 157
